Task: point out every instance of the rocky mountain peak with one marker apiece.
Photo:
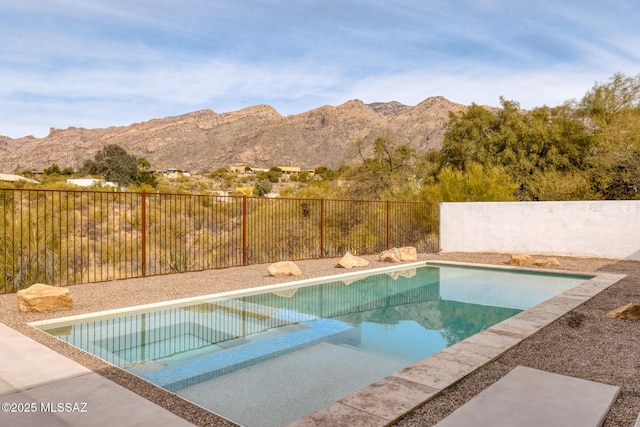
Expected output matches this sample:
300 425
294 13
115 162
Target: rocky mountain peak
204 140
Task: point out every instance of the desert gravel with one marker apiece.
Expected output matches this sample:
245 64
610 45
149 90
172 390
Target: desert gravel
584 343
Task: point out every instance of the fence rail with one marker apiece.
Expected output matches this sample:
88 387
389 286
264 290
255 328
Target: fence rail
62 237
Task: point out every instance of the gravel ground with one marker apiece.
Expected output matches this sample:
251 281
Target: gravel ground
584 343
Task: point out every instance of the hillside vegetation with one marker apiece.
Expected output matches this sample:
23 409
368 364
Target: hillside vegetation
584 149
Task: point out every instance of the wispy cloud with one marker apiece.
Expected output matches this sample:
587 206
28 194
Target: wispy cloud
96 63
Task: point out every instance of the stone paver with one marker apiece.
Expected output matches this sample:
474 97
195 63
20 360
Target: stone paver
471 353
389 397
339 415
436 372
493 339
527 397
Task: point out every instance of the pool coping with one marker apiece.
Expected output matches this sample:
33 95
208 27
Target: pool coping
354 275
394 396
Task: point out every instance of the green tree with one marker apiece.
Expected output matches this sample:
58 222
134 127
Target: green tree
468 135
389 173
475 183
272 175
319 189
262 187
614 109
324 173
143 163
616 166
605 100
54 169
114 164
554 185
524 143
147 178
220 173
303 176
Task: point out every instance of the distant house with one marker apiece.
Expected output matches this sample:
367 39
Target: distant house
239 168
90 182
7 177
173 173
286 170
289 170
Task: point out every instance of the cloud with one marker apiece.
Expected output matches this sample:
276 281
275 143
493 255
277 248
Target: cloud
96 63
483 85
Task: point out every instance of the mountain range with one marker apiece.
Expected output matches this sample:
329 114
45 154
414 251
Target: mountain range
259 136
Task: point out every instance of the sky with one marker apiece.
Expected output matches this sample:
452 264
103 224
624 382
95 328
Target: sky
100 63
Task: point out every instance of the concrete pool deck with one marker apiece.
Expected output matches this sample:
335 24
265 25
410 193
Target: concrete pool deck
54 380
39 387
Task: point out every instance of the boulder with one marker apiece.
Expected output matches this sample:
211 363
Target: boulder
350 261
284 268
546 262
626 312
40 297
390 255
408 253
520 259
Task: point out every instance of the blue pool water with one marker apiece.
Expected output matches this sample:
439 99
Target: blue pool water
269 358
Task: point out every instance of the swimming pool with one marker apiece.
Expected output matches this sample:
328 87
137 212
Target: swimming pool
271 355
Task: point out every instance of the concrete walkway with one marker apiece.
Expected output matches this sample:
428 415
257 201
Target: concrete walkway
39 387
528 397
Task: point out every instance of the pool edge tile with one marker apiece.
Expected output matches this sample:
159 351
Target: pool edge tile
493 339
338 414
435 371
390 398
62 321
471 353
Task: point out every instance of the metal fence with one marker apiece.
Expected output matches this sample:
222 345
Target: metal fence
62 237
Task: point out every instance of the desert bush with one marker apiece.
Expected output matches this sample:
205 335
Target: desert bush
67 237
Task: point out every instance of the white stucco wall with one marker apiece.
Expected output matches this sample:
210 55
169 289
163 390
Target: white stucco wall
609 229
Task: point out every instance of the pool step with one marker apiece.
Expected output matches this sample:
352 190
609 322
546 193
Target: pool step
280 390
186 374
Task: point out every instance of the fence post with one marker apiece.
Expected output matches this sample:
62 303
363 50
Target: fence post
388 223
244 230
144 233
321 228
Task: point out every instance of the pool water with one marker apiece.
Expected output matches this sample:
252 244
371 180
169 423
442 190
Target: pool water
270 358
